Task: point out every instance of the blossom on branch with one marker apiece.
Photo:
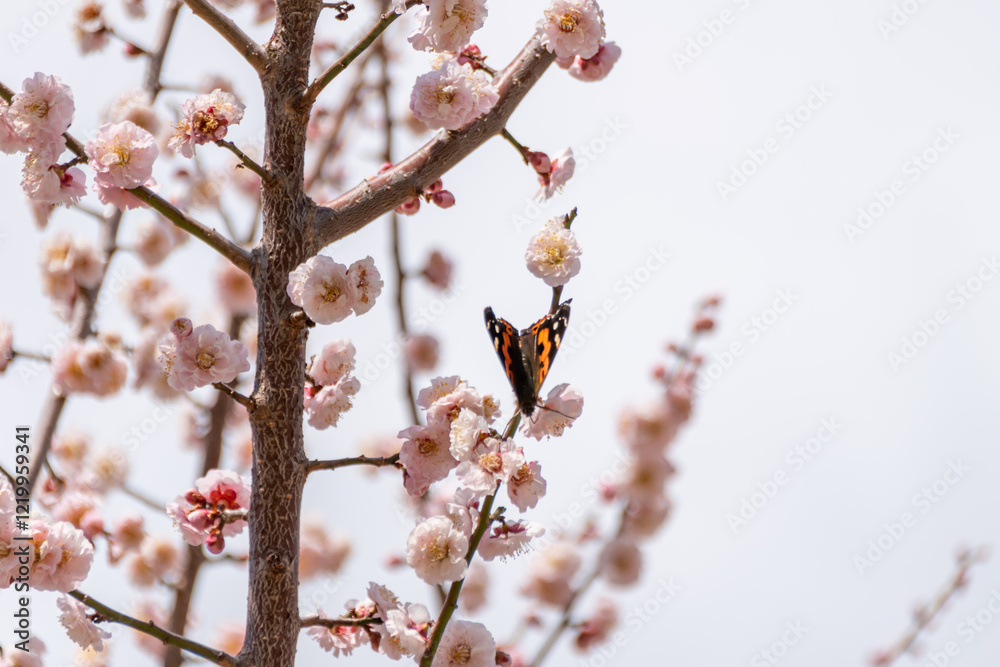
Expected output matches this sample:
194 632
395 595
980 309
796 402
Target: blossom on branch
78 625
196 357
553 254
201 513
572 28
451 96
466 644
42 111
328 291
122 155
447 25
205 118
556 413
555 173
89 367
436 551
594 68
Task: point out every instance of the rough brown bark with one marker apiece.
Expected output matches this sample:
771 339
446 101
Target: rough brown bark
279 459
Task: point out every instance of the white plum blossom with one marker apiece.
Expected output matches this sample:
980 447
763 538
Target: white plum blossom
364 284
554 254
42 111
122 155
508 540
335 361
319 286
447 25
451 96
325 407
465 432
436 551
491 462
572 28
425 456
561 169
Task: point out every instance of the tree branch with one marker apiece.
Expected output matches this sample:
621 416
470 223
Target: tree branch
333 464
213 239
168 638
383 192
251 51
313 621
323 80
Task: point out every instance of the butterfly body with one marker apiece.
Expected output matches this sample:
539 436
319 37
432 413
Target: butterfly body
527 355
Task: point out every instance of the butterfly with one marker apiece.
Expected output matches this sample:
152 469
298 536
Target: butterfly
527 356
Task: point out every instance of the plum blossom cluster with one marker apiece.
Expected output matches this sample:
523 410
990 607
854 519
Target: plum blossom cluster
79 624
329 291
330 385
68 265
553 254
447 25
401 630
121 157
205 118
553 173
216 508
432 194
56 556
572 28
94 366
452 95
193 357
34 123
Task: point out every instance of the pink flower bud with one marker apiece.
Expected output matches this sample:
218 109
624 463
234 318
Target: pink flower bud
193 497
201 519
444 199
540 162
385 167
409 207
181 327
436 186
215 543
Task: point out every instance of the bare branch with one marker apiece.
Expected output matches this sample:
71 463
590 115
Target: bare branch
168 638
333 464
213 239
251 51
383 192
313 621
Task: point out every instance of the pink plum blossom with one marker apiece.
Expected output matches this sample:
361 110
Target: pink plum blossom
598 66
425 457
491 462
421 351
44 180
572 28
319 286
466 644
335 361
42 111
122 155
196 357
436 551
509 539
341 640
10 140
554 254
447 25
451 96
621 562
438 270
596 629
89 367
205 118
200 514
561 168
556 413
325 406
63 556
80 628
364 284
526 486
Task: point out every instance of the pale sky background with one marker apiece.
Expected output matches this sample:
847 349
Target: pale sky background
661 135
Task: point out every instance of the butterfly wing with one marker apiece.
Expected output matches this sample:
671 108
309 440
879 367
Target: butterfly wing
507 343
541 341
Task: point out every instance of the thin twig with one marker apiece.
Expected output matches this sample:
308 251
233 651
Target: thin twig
251 51
142 498
30 355
265 176
239 256
106 613
313 621
521 150
245 401
324 79
333 464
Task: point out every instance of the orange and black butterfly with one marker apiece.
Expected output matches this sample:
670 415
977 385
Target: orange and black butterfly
527 356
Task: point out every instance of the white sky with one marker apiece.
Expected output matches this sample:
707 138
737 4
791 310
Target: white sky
662 134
